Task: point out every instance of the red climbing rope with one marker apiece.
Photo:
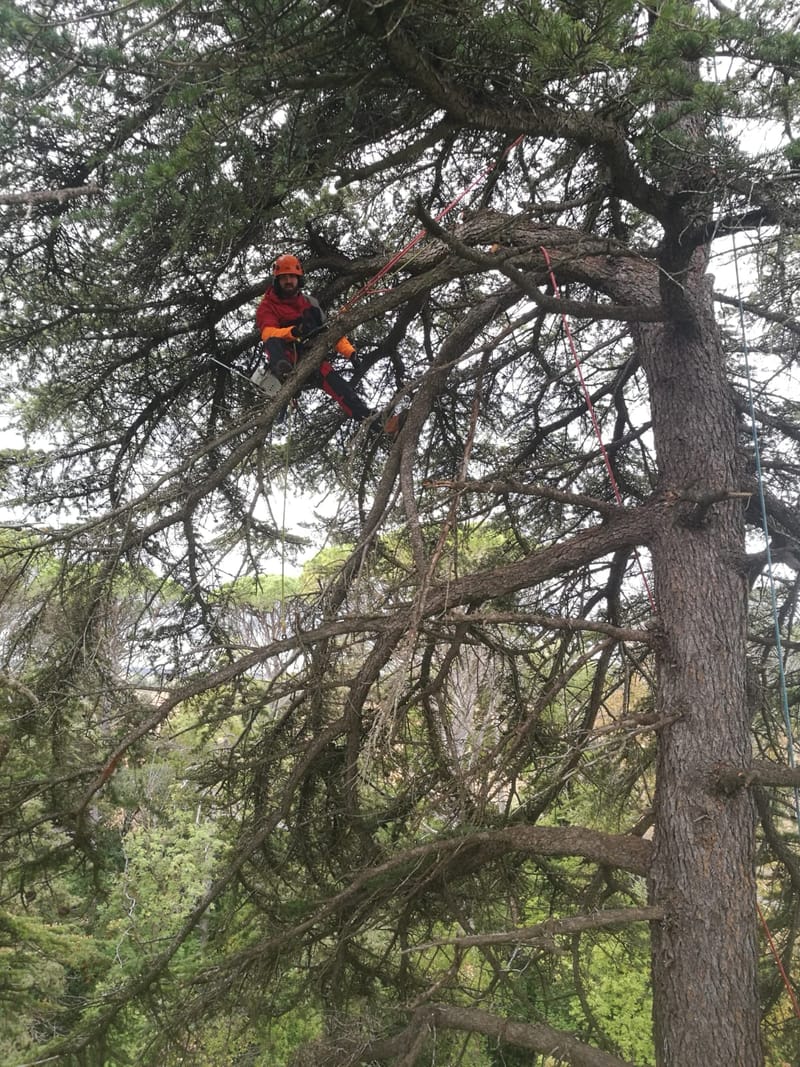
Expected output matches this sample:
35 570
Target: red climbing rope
590 409
779 962
584 387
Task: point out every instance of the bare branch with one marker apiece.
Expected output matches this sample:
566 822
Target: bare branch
559 622
545 492
541 935
536 1037
759 773
789 322
48 196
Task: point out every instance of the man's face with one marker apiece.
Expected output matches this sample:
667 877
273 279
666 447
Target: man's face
289 283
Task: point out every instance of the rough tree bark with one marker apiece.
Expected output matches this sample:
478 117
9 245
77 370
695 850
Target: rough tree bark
705 953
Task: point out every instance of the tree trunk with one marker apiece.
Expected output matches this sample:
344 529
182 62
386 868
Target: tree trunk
704 958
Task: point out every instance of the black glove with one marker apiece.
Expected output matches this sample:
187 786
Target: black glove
304 331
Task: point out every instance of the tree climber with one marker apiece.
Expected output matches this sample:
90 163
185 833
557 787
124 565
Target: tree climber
287 319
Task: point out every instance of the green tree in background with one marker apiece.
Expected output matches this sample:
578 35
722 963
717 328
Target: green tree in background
418 805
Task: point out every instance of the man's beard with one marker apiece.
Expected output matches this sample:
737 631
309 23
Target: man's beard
283 293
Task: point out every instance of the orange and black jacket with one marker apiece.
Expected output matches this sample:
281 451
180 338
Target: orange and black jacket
276 316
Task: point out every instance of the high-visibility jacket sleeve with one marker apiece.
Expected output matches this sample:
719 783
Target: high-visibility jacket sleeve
286 333
344 348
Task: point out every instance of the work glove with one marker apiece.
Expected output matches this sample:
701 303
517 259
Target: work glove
345 348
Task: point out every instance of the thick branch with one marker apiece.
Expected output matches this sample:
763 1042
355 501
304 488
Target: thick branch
789 322
455 857
537 1038
498 486
347 1051
758 773
558 622
48 196
541 935
557 305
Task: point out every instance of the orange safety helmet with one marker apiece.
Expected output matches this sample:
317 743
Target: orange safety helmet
287 265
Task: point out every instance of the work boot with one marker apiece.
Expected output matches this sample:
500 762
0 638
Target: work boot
391 427
282 369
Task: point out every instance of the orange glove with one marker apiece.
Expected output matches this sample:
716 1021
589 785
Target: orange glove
344 348
286 333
